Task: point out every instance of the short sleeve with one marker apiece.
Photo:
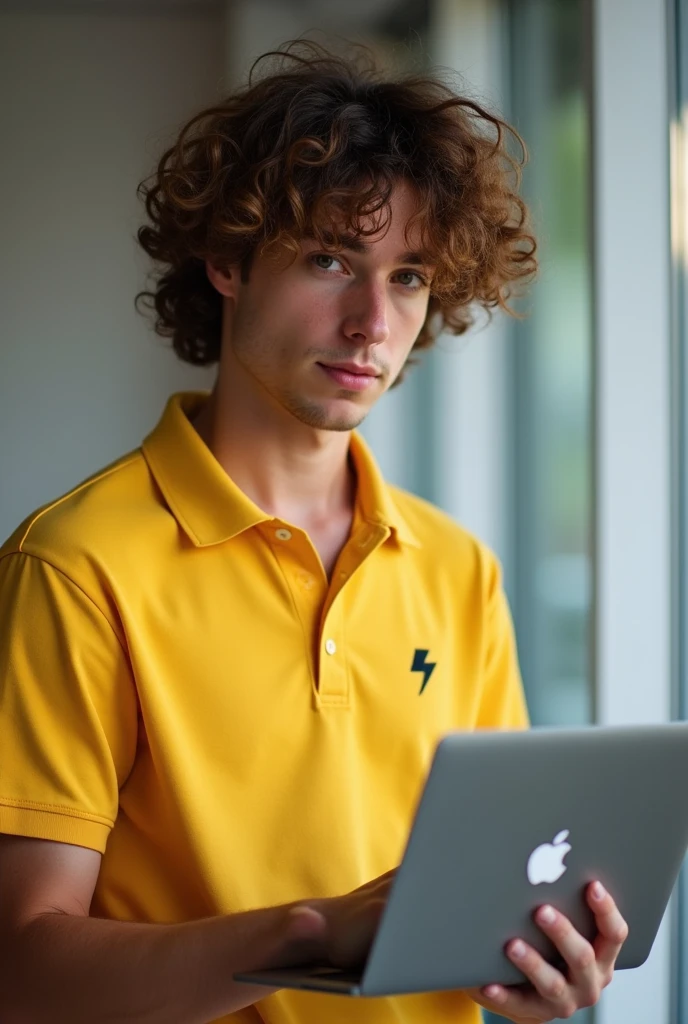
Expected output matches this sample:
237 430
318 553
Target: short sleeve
502 704
68 708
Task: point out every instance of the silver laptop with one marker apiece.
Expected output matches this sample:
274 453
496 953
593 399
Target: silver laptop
507 822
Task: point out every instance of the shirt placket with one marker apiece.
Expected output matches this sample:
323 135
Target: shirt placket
324 632
333 678
305 579
333 675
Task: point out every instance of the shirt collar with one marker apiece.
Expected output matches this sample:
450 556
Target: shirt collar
374 498
207 503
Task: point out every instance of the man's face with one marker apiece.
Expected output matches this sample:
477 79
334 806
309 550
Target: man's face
323 338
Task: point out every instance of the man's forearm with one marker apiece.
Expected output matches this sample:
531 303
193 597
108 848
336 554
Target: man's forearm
82 970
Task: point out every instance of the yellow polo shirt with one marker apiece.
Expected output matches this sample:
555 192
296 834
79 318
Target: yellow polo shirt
183 690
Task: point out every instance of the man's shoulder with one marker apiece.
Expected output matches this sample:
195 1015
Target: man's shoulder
92 515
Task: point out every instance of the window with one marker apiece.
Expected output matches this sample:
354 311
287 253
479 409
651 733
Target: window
551 568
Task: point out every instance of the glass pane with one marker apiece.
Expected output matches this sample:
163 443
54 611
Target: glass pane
551 580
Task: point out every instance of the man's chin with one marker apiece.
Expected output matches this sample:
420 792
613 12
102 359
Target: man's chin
324 417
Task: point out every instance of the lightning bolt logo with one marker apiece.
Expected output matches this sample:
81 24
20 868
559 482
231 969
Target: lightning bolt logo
421 665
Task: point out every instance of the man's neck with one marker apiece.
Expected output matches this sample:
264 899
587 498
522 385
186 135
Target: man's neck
298 474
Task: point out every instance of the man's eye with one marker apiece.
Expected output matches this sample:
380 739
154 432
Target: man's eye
323 261
410 279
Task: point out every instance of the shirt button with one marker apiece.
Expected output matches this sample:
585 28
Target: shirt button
330 647
283 534
306 580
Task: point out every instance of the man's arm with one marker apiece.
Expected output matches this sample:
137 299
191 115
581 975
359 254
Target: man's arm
57 964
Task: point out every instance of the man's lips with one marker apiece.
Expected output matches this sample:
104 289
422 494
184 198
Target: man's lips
350 375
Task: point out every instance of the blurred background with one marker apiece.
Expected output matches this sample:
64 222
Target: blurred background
559 438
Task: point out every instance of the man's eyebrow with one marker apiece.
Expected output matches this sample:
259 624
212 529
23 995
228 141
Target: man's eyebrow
354 244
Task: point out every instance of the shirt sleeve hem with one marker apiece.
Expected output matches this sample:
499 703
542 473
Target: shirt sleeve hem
58 826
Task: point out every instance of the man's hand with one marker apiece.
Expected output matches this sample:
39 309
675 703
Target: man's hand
339 929
551 994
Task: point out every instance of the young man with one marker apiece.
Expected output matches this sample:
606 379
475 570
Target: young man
227 658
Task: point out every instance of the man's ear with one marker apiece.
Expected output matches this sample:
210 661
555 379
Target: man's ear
223 279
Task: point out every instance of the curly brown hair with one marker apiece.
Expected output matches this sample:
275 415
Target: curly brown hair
314 147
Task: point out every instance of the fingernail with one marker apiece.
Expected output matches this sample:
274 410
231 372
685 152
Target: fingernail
495 993
518 950
546 915
598 891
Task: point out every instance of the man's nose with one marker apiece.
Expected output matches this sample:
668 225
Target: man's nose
366 316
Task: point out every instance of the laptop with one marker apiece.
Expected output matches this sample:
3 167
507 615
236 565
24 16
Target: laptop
509 821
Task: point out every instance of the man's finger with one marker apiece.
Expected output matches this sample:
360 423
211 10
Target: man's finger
510 1002
611 926
578 953
549 983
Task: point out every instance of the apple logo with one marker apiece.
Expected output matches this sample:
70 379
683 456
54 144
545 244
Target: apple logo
546 863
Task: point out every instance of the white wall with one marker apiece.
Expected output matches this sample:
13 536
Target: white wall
87 99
